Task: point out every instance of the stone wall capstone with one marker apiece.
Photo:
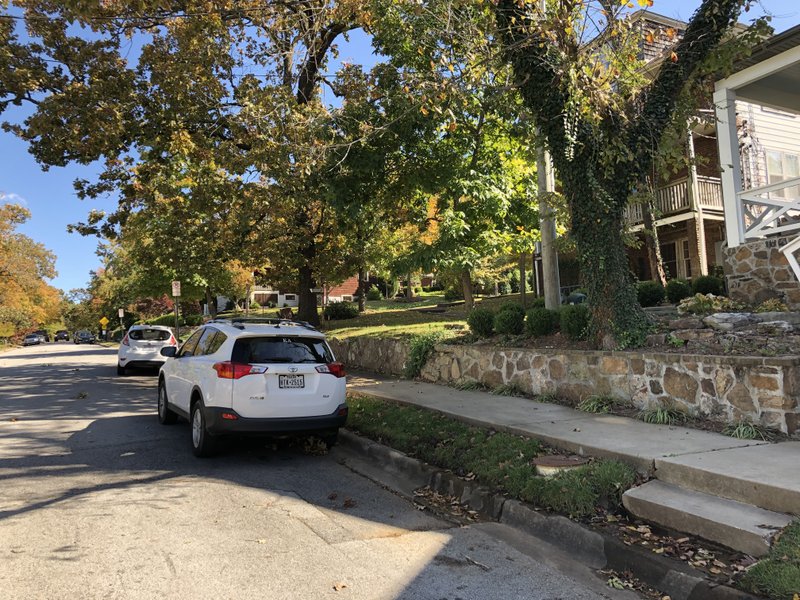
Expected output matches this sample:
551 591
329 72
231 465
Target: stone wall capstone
727 389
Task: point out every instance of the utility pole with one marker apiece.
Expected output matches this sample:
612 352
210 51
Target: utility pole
547 224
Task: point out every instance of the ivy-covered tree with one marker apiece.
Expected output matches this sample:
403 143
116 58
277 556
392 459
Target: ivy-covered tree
602 127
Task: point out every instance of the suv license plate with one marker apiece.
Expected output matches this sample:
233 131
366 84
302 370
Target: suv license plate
291 381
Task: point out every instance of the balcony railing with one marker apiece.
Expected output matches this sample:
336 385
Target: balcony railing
675 198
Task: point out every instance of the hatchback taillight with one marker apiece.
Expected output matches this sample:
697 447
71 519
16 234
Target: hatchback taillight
172 340
125 340
335 368
232 370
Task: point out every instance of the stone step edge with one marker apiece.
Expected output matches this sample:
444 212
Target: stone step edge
723 485
719 520
596 549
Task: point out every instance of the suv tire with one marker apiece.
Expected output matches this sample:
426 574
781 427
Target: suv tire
203 443
166 416
330 438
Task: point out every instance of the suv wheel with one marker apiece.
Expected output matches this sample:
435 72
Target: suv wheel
203 443
165 415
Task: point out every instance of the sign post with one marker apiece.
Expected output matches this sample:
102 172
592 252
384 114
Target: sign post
121 324
176 293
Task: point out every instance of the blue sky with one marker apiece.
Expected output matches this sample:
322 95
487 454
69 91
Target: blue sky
53 204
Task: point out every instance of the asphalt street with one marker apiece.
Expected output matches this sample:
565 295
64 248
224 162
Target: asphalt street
97 500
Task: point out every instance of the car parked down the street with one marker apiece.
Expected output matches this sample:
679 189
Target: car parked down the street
268 377
61 334
141 347
84 337
32 339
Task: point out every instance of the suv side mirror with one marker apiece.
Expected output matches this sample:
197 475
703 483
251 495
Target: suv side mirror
169 351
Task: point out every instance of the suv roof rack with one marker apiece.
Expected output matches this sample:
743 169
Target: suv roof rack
240 322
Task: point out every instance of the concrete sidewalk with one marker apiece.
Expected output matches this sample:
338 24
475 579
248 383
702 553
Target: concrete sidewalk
726 472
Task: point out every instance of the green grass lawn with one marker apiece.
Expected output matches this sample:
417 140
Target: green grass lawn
778 575
389 318
499 460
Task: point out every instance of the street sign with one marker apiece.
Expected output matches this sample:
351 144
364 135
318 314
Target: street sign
104 322
316 290
121 312
176 288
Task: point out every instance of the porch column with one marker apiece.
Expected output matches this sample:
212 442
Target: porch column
728 141
697 207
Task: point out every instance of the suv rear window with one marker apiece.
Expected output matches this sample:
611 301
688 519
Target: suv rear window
281 350
151 335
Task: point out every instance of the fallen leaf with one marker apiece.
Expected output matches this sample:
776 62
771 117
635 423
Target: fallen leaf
349 503
338 587
333 496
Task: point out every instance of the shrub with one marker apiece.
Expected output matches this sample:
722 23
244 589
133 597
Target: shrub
677 290
503 288
574 321
541 321
374 293
193 320
513 307
421 348
537 302
255 304
336 311
650 293
701 304
481 322
452 294
509 322
707 284
771 305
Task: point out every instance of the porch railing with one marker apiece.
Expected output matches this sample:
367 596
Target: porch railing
675 198
771 209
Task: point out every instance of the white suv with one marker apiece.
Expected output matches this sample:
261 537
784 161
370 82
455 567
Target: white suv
141 347
258 376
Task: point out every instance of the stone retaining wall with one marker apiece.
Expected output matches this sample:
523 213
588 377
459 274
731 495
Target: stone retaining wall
758 271
722 388
378 355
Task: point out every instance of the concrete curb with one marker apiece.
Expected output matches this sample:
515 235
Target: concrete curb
595 549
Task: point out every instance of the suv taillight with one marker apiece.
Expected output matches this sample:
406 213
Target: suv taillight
335 368
232 370
124 340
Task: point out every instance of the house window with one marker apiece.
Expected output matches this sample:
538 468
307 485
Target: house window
780 167
669 257
687 259
347 298
289 297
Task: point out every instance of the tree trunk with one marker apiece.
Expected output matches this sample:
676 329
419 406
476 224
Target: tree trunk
617 320
409 288
522 281
652 244
307 300
466 286
362 289
211 303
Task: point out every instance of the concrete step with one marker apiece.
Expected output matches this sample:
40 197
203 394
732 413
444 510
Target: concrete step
763 475
733 524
